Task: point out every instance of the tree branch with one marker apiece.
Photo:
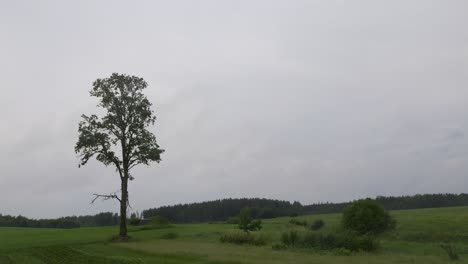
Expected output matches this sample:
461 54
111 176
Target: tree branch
105 197
110 196
116 163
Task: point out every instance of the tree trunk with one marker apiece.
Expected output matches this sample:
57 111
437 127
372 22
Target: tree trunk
123 208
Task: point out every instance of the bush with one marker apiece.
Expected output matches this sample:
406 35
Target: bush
170 235
233 220
278 246
159 221
355 242
328 241
297 222
342 252
367 217
290 238
310 240
241 238
155 222
346 240
134 221
246 223
317 224
451 251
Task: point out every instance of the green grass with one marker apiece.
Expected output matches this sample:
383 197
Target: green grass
417 239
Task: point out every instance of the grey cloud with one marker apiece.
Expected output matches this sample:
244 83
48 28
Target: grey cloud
309 101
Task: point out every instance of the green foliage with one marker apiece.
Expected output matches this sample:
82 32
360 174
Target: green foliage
128 115
347 240
320 241
295 221
356 242
290 238
134 219
342 252
241 238
6 260
317 224
170 235
417 201
159 221
246 223
121 137
21 221
451 251
223 210
278 246
233 220
367 217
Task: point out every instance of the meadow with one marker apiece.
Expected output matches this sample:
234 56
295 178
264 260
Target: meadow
417 239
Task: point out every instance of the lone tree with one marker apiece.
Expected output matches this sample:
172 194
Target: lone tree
246 223
367 217
121 137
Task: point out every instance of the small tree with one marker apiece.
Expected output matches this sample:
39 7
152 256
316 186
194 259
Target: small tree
367 217
135 218
246 223
121 137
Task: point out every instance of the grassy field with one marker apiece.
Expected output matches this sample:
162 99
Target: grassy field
417 239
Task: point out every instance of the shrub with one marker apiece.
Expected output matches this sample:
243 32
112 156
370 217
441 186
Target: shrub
356 242
278 246
297 222
134 221
241 238
290 238
246 223
310 240
155 222
451 251
170 235
159 221
342 252
367 217
329 241
233 220
346 240
317 224
255 225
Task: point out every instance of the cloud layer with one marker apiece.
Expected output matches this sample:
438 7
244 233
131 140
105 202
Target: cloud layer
305 100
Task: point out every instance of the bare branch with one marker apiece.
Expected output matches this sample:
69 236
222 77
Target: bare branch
106 197
110 196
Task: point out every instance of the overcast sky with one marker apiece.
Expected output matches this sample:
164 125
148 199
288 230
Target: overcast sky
295 100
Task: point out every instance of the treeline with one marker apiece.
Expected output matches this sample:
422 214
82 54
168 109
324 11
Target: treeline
221 210
397 203
101 219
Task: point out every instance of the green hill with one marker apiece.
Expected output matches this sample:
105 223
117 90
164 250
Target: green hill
416 239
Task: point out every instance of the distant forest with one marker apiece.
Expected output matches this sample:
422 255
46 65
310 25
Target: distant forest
417 201
101 219
222 210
